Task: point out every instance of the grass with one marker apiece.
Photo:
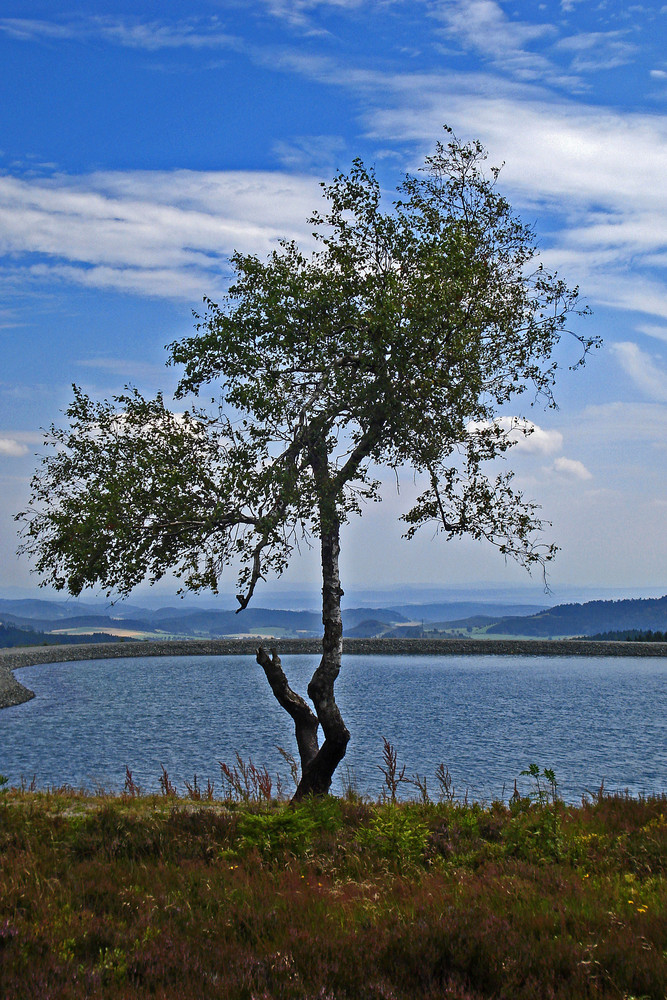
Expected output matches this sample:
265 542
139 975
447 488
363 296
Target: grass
249 898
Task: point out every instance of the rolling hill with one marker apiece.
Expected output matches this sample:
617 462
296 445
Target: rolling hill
587 619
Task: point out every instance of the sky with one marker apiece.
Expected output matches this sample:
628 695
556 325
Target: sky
141 144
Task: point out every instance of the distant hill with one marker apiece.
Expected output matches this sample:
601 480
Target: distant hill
13 636
32 609
367 629
50 616
588 619
474 618
456 611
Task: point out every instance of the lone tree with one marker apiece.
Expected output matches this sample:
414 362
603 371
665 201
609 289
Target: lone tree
394 344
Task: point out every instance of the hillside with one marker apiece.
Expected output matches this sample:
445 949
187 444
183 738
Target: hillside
11 636
591 618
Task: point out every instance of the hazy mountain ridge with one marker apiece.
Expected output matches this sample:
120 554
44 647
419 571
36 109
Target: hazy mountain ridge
473 618
46 617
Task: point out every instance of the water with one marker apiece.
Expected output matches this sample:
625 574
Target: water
486 718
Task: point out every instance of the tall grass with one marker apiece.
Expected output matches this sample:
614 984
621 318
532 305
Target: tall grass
245 897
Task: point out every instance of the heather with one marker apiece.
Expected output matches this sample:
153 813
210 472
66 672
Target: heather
246 896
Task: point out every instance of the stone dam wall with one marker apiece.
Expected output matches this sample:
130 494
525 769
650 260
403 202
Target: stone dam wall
14 693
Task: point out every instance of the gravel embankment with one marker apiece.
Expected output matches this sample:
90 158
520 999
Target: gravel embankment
14 693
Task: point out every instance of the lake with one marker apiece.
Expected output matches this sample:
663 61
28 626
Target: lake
485 717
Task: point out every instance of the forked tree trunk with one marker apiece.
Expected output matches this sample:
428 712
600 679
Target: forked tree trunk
318 763
316 776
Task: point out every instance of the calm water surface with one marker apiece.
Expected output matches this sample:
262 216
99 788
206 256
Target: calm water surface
485 717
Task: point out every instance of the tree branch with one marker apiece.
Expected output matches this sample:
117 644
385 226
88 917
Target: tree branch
305 721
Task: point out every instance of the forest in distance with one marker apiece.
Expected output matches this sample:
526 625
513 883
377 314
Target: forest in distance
27 622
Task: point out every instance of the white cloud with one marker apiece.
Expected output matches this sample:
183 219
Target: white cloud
157 233
526 436
27 29
571 467
311 153
155 35
295 12
24 437
596 50
12 448
599 173
644 370
651 330
530 439
658 74
483 25
152 35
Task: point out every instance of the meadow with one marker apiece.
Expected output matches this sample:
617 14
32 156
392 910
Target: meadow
234 893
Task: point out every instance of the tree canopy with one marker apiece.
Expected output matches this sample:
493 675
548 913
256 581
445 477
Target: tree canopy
394 343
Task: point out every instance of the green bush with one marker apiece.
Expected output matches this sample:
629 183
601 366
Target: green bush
287 830
397 835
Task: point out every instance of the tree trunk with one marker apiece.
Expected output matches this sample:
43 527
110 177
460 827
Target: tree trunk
318 763
317 774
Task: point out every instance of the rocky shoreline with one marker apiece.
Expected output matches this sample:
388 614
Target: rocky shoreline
12 692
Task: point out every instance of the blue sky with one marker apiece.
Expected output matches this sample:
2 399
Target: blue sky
139 146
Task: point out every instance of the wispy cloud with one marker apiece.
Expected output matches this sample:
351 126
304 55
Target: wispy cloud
149 35
653 330
29 29
623 423
597 174
592 176
505 43
311 153
297 13
597 50
158 233
644 370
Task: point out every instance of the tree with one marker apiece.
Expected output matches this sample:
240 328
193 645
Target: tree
394 344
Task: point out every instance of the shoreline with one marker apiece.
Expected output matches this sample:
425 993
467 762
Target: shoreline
12 692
